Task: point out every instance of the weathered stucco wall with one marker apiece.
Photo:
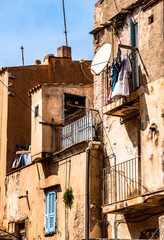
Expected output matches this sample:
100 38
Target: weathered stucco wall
3 138
36 127
19 116
108 9
152 141
134 137
71 173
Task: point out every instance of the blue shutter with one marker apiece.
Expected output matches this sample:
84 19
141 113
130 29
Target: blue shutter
46 213
50 212
133 43
132 33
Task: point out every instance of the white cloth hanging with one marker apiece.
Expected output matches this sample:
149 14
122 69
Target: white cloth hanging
122 86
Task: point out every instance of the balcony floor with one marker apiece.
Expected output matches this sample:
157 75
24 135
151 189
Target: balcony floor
142 202
125 106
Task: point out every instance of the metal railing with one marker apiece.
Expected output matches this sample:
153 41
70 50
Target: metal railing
83 128
122 181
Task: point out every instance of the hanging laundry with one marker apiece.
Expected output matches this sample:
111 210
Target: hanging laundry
116 66
21 160
122 86
17 161
28 160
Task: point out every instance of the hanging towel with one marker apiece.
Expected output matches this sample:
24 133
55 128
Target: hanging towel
17 161
116 66
122 87
28 160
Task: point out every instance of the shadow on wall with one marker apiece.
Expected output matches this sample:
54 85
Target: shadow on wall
132 131
144 221
50 168
143 105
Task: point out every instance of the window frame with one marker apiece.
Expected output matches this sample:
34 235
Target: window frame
50 212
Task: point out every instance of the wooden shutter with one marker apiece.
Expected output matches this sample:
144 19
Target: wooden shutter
132 33
46 213
50 212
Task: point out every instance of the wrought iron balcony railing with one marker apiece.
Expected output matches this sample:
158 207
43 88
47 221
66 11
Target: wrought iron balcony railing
122 181
85 127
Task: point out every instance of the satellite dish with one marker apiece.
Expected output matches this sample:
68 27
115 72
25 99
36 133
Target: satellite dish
101 59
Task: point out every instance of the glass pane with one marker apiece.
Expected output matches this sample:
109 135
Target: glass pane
46 223
50 203
51 222
53 203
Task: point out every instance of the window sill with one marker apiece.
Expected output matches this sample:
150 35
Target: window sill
19 169
49 234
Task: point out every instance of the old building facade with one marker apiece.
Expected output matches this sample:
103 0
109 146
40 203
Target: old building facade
133 192
64 137
49 147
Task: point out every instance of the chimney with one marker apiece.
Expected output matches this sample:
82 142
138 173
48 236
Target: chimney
47 58
64 52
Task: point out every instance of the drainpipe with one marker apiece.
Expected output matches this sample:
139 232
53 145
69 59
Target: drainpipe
116 223
65 204
86 202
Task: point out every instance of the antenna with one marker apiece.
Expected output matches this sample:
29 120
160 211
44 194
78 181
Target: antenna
22 55
101 59
65 24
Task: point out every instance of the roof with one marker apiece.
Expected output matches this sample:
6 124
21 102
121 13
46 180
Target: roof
39 86
34 89
144 3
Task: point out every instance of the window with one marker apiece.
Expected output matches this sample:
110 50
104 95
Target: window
20 230
72 104
150 19
50 212
36 111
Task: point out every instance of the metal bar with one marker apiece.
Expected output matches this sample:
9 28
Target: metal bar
65 24
128 47
22 48
111 187
133 176
121 185
124 183
119 189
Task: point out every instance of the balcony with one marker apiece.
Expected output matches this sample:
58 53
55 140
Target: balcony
123 191
80 128
125 106
122 185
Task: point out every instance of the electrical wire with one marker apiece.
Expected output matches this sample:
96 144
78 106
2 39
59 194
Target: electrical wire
23 102
9 233
116 5
91 80
154 233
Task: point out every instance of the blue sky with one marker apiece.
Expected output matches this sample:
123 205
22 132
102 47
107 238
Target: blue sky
38 25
